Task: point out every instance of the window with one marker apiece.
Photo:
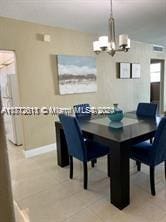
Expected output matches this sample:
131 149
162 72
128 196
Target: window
155 69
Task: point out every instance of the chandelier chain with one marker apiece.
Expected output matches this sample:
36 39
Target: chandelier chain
111 11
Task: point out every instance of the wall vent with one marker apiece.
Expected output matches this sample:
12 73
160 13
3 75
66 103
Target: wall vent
158 48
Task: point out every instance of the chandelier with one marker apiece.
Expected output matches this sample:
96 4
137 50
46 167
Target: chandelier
108 44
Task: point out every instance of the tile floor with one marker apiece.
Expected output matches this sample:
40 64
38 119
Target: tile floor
43 192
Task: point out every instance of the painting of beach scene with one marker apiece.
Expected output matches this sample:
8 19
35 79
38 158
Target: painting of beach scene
77 74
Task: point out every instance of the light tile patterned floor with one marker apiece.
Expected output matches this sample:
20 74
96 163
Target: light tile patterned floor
43 192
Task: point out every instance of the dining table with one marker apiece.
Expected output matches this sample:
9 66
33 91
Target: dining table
119 136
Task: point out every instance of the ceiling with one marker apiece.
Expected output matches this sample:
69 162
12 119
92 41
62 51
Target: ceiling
142 20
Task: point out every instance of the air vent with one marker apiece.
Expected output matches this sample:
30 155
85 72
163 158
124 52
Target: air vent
158 48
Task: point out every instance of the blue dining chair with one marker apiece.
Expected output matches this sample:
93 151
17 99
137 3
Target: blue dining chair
146 110
82 110
151 154
83 150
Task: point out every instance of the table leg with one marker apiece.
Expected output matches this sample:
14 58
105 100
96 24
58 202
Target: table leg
62 152
120 178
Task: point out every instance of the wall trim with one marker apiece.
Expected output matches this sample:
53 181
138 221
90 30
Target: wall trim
39 150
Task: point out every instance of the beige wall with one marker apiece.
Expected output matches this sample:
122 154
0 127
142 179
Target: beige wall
37 73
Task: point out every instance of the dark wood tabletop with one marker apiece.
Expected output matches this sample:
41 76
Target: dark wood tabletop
130 131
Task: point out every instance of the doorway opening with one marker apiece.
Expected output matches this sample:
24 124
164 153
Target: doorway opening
157 83
10 96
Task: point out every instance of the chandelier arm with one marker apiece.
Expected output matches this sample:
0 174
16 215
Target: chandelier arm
121 50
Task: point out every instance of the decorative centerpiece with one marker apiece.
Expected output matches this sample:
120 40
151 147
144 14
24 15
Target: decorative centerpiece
116 114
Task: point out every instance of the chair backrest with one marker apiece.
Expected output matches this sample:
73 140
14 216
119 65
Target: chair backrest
82 110
159 144
146 110
74 138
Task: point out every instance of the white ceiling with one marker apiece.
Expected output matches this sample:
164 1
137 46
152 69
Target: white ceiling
143 20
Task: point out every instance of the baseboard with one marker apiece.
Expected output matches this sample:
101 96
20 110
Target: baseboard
39 150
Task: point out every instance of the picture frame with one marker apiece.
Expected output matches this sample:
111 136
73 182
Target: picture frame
124 70
76 74
136 71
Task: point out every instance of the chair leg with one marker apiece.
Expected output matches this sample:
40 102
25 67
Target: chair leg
71 166
93 163
151 140
109 165
138 163
152 180
85 175
165 169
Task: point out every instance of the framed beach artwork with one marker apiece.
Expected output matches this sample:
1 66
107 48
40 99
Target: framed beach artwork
77 74
124 70
136 71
